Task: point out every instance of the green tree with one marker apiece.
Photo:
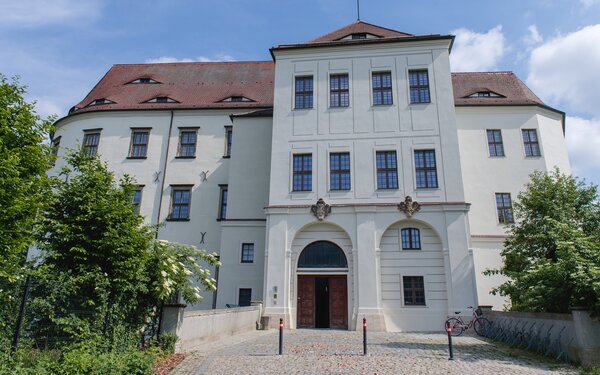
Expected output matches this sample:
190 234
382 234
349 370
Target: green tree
552 257
24 160
101 268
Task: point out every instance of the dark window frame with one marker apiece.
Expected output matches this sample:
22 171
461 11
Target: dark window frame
380 89
55 148
340 178
228 141
174 204
303 98
304 175
431 181
387 170
137 205
247 255
188 145
504 208
139 150
223 196
339 91
411 291
495 142
411 238
91 148
532 147
423 93
240 296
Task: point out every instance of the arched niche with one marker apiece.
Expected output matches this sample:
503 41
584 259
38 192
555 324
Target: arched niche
322 254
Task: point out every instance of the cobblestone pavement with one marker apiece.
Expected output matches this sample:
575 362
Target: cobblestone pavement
340 352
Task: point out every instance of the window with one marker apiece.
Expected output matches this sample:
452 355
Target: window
419 86
339 176
382 88
161 99
414 290
495 146
223 202
145 81
504 207
359 36
304 92
139 143
55 147
244 297
180 203
302 172
91 138
387 170
228 141
530 141
411 239
247 253
137 199
187 143
100 102
339 90
426 172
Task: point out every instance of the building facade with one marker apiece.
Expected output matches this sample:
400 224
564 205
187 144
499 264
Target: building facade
354 176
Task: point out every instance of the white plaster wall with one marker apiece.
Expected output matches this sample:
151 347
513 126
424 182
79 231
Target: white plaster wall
486 254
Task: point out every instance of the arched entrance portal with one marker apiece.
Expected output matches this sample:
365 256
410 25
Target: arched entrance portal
322 296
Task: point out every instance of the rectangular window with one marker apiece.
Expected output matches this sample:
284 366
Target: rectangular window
180 203
387 170
223 202
504 207
302 172
530 141
187 143
247 253
418 81
55 147
495 146
426 172
339 95
304 92
339 176
414 290
382 88
411 239
139 143
244 297
90 142
137 199
228 140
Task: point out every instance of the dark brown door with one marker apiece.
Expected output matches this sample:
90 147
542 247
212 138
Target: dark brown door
306 302
338 302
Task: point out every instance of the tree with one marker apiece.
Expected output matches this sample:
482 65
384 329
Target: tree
24 160
101 267
552 255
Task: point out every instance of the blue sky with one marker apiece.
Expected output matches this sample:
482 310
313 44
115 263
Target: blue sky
61 48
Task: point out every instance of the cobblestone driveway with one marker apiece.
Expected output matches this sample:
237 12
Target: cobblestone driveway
340 352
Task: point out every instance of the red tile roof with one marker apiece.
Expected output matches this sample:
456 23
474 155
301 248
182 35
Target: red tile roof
359 27
507 84
192 85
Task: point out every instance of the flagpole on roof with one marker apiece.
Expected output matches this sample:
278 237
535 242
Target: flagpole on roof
358 10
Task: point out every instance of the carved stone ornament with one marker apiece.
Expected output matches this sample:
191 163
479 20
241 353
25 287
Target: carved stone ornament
409 207
321 209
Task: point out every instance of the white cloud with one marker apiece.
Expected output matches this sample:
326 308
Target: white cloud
565 71
171 59
588 3
534 36
583 143
36 13
474 51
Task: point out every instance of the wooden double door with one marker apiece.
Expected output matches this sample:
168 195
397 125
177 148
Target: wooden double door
322 302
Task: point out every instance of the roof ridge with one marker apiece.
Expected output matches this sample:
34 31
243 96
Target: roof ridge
195 62
494 72
383 27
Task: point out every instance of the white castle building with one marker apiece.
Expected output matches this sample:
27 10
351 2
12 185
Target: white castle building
352 176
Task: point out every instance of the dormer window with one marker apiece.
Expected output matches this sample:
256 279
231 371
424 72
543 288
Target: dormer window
145 80
100 102
359 36
161 99
485 94
237 99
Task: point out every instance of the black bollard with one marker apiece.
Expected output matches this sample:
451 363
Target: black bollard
449 331
280 336
364 336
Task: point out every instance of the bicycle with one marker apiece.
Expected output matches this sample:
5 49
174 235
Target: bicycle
481 325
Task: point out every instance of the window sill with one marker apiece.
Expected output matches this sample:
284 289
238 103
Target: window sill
339 107
182 219
383 105
137 157
533 157
301 191
414 306
420 103
387 189
427 188
226 156
496 156
185 157
246 262
302 109
340 190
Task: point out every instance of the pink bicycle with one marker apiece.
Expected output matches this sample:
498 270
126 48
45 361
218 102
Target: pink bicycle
481 325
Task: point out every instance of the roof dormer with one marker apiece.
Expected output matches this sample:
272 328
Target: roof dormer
484 94
161 99
101 101
144 80
237 99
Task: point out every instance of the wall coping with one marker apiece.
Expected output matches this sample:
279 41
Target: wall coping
231 310
530 315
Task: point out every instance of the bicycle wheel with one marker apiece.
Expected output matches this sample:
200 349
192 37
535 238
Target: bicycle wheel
482 326
457 327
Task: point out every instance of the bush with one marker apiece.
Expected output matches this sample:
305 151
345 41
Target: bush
167 342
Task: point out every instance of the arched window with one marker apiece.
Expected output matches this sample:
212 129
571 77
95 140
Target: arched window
322 254
411 239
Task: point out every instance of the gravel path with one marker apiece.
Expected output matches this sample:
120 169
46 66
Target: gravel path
340 352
